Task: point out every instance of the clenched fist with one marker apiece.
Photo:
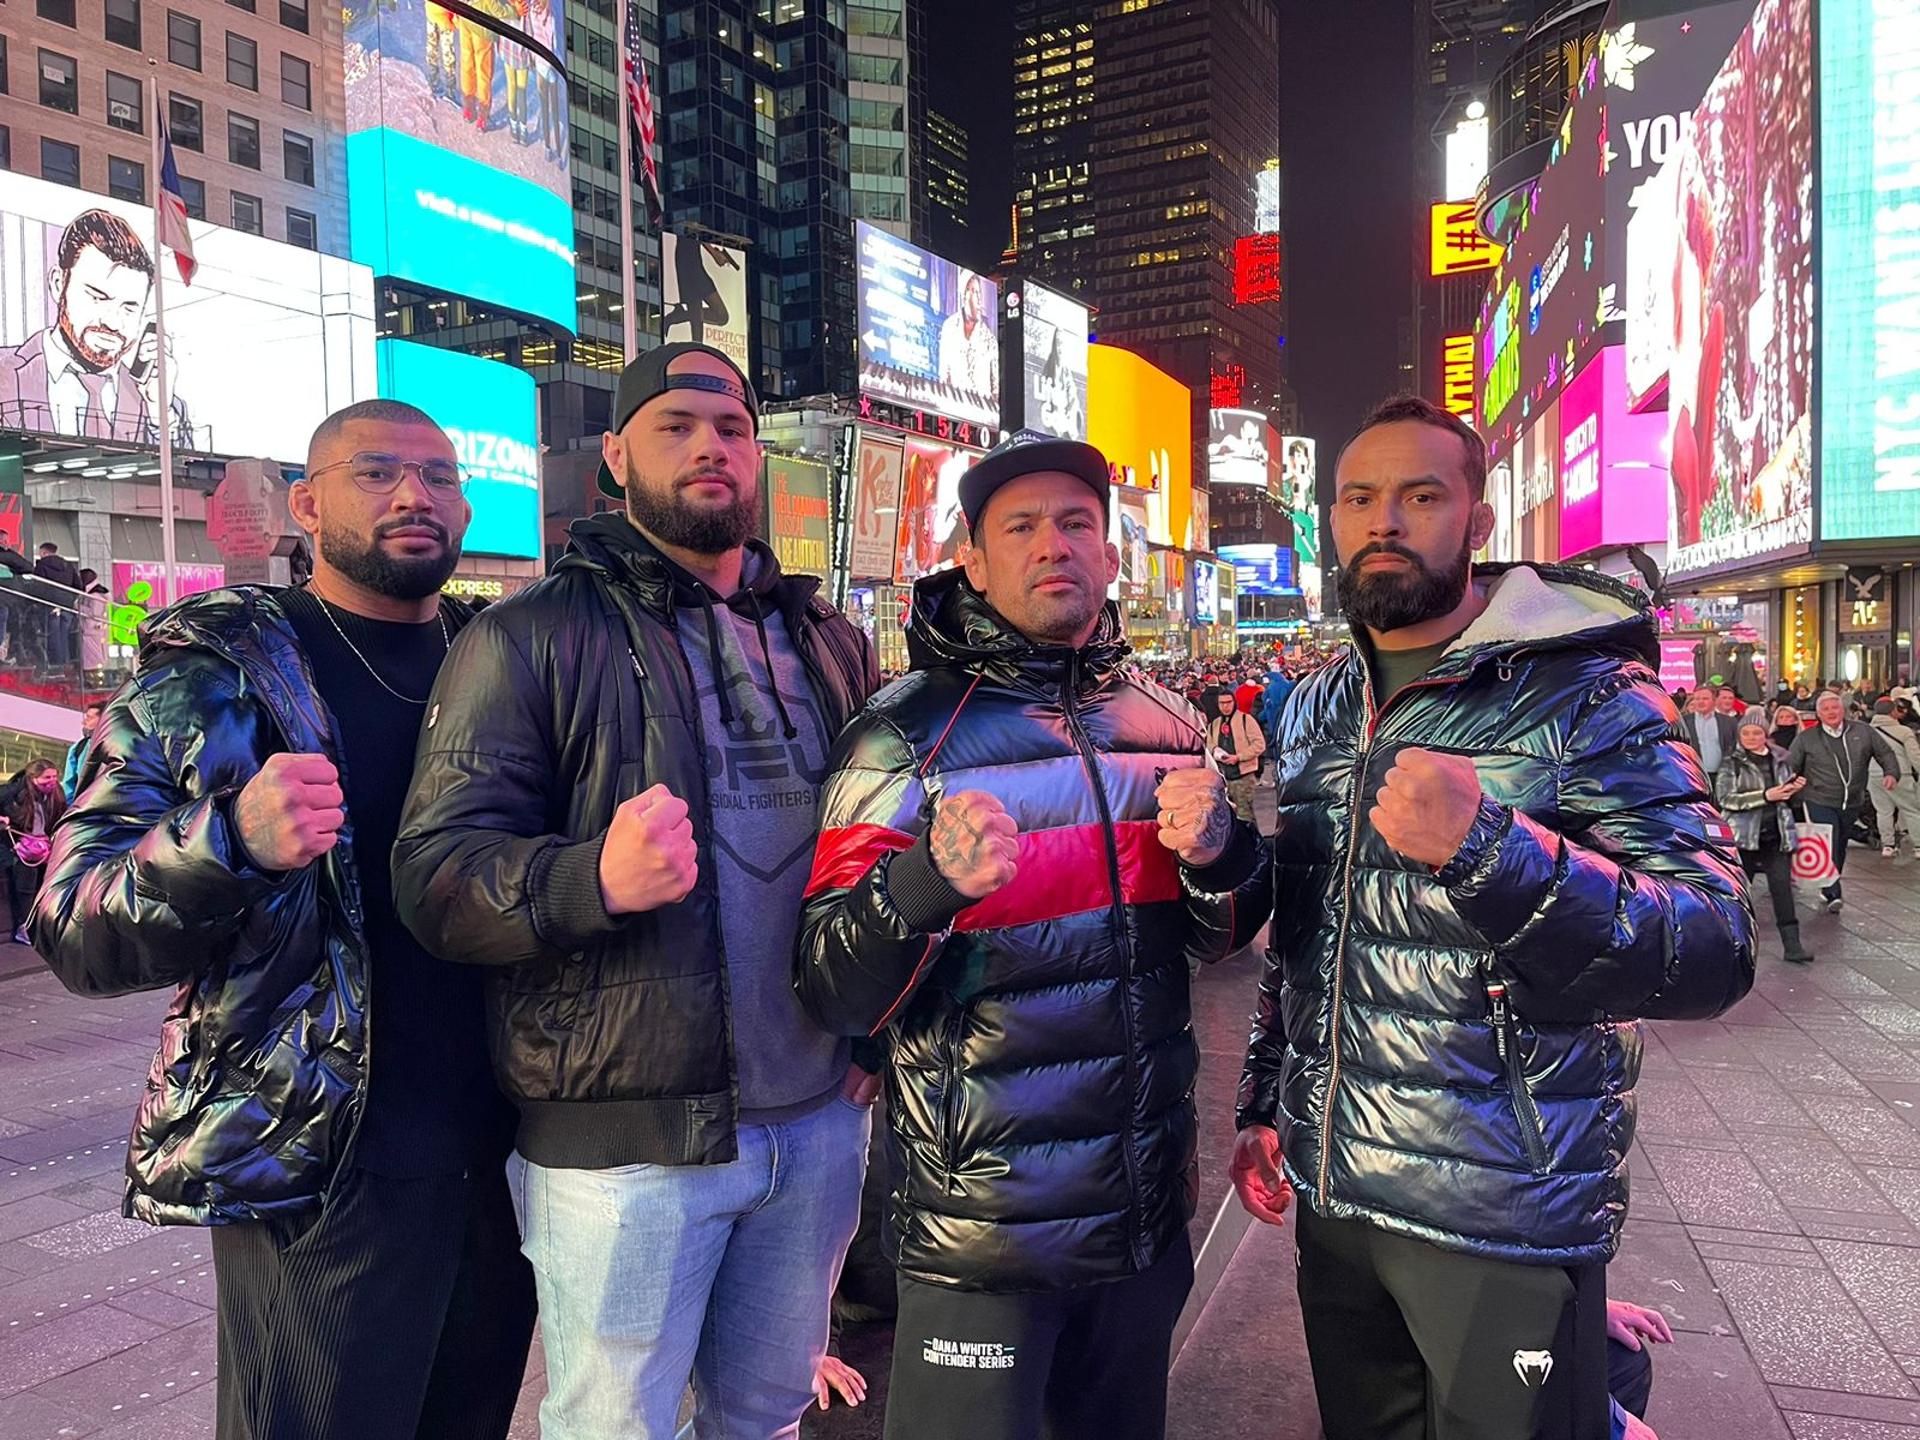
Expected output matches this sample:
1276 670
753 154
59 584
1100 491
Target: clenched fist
1196 818
975 843
290 813
1427 806
649 858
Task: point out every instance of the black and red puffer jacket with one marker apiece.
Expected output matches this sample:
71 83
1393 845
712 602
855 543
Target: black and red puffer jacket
1041 1058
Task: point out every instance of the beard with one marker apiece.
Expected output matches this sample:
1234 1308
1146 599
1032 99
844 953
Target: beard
1386 601
673 522
90 354
399 577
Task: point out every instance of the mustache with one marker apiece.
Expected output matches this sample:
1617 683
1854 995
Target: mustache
389 527
1385 547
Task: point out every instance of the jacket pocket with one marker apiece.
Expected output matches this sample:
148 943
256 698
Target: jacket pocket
1506 1037
950 1097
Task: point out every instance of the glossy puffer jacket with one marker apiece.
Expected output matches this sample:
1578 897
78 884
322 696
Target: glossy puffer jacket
1452 1055
259 1078
1040 1055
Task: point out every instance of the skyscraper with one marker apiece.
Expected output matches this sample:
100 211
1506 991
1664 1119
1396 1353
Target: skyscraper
947 192
1053 98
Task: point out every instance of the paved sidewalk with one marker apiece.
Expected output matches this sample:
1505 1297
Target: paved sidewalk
1776 1215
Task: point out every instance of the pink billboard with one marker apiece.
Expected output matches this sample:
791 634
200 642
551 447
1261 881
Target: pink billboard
1613 465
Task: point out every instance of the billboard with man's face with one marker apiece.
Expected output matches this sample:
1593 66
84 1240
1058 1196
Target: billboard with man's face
1237 447
929 330
266 342
1053 349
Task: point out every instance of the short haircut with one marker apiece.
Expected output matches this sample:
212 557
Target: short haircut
1397 408
47 547
396 412
99 705
106 232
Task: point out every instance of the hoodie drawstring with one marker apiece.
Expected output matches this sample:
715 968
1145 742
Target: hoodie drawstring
722 683
773 680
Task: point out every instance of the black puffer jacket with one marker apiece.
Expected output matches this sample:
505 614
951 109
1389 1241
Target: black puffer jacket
1598 884
260 1074
1041 1060
611 1034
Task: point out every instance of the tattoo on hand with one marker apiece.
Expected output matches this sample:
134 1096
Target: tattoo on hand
955 845
1218 823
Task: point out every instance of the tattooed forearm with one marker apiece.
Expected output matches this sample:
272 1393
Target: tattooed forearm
1216 824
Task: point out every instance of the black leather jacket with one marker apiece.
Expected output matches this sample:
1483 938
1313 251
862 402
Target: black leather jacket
1452 1055
610 1034
259 1079
1041 1058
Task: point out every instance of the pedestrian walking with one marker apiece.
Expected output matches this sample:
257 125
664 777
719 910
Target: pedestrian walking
1896 807
1236 743
1756 789
31 803
1833 756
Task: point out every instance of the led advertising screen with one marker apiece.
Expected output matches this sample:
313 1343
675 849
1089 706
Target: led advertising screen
491 414
1740 389
457 146
267 341
799 514
1870 218
704 295
1052 333
1141 419
1263 569
1456 246
1133 533
1301 499
1237 447
1613 464
1206 592
929 329
931 529
1199 523
877 463
1537 497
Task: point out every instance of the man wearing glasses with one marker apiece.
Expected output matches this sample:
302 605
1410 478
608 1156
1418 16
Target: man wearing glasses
322 1094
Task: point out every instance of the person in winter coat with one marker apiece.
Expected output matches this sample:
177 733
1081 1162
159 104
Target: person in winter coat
1236 743
1016 865
321 1095
1279 686
1898 808
1756 790
31 803
613 810
1492 854
1834 755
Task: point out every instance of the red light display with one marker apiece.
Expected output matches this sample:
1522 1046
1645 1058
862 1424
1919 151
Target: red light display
1256 269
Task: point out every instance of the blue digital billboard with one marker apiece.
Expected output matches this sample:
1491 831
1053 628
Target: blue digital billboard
1264 569
491 413
457 151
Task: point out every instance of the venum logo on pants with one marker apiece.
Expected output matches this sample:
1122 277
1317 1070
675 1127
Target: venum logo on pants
967 1354
1529 1364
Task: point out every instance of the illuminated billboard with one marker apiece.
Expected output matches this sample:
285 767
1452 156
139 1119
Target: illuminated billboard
1256 269
799 513
1051 332
267 341
1456 246
929 329
491 413
1237 447
457 147
1300 497
1264 569
1141 419
1537 494
1456 375
1870 218
1613 464
877 465
1206 592
931 529
703 295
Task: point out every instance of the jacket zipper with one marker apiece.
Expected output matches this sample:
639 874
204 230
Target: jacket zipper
1505 1038
949 1100
1088 759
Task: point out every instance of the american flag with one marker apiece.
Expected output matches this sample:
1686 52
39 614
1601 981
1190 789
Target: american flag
174 233
640 112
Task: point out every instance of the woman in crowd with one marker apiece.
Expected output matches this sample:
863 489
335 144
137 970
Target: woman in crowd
1786 726
30 804
1755 789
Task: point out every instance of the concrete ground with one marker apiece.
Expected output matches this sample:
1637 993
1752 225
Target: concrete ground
1776 1215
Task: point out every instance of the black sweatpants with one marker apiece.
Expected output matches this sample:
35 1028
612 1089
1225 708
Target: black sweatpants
1065 1365
1412 1342
1777 865
404 1310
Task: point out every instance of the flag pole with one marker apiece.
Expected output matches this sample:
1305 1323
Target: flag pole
164 419
629 302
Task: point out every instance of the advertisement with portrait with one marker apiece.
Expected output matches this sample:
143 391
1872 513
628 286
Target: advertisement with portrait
1237 447
1537 505
799 513
1739 395
1870 234
703 294
932 529
878 461
1613 464
267 341
1300 491
491 413
1199 523
1053 361
457 145
1206 592
929 329
1133 533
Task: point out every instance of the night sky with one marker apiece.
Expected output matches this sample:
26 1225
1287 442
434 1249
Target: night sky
1346 98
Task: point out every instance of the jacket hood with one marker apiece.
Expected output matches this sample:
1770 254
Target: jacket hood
1541 607
615 546
953 625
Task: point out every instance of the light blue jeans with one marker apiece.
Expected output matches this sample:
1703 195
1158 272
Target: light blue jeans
651 1274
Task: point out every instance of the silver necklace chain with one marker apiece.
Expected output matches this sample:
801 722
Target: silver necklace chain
445 639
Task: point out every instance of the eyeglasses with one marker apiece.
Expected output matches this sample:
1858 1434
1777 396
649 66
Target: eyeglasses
381 474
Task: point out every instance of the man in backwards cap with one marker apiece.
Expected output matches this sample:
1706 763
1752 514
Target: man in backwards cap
1017 849
613 807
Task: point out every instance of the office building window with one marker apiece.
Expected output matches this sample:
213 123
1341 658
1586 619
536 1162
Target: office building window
123 23
246 5
246 213
296 82
184 123
302 229
59 82
243 141
126 179
243 62
293 15
6 148
58 11
297 151
194 192
3 65
126 103
183 40
59 162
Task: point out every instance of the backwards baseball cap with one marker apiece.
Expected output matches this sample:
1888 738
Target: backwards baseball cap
648 378
1028 452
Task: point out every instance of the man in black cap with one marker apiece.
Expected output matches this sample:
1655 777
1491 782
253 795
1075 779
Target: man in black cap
1016 865
613 806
